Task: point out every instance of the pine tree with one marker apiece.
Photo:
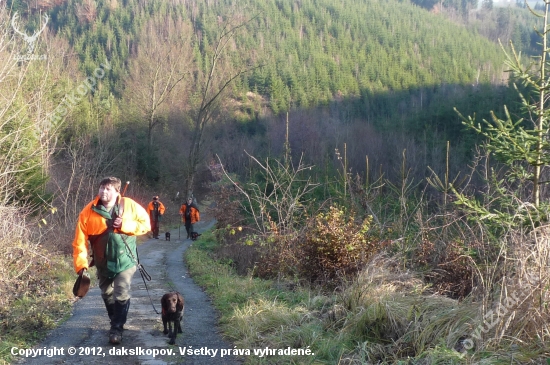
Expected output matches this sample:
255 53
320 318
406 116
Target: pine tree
522 144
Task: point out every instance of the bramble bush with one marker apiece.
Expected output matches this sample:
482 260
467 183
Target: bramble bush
336 246
332 246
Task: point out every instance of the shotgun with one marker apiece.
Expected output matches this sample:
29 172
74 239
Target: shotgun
125 187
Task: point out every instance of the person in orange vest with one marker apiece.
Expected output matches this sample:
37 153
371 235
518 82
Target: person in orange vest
189 215
156 210
107 228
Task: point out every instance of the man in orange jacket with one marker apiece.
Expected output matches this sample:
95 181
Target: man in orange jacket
156 210
107 228
189 215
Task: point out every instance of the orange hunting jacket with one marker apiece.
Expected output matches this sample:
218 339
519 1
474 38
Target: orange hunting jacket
195 215
110 252
151 210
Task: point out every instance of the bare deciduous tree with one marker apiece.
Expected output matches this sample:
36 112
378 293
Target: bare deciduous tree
162 61
86 12
212 81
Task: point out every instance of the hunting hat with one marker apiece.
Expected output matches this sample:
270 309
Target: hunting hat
156 197
82 284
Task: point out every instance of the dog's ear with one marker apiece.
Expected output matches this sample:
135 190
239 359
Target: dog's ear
179 305
164 302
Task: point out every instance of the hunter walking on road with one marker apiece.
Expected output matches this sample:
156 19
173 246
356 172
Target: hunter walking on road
156 210
86 327
110 223
190 215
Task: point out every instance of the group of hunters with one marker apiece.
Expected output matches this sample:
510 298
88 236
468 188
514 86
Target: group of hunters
106 230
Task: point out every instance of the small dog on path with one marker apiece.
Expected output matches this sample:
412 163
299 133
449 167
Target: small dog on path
195 235
167 236
172 313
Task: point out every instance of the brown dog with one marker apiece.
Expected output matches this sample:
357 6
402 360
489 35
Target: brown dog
172 313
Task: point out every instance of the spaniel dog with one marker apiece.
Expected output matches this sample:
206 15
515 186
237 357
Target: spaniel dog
172 313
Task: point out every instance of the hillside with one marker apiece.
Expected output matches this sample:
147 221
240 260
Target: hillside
388 63
312 50
389 67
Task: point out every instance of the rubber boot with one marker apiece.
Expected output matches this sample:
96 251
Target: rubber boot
118 321
110 309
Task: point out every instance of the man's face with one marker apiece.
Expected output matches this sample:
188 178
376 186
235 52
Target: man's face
107 194
189 201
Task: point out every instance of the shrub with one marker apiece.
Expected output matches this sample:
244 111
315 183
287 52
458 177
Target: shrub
280 257
335 245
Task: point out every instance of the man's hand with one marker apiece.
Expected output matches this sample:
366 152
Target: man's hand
117 223
82 272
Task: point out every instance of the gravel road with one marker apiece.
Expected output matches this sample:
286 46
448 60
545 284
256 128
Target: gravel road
86 332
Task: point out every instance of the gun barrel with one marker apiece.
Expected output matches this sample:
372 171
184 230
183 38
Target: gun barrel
125 187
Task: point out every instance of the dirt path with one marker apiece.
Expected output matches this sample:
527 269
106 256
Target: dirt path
86 332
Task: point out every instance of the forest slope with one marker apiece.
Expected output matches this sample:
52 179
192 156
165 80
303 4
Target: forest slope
312 50
388 63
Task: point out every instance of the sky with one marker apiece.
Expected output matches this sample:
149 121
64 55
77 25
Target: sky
513 2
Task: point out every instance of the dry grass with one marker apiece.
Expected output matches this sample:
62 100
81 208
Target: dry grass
388 308
516 312
261 319
16 254
34 284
